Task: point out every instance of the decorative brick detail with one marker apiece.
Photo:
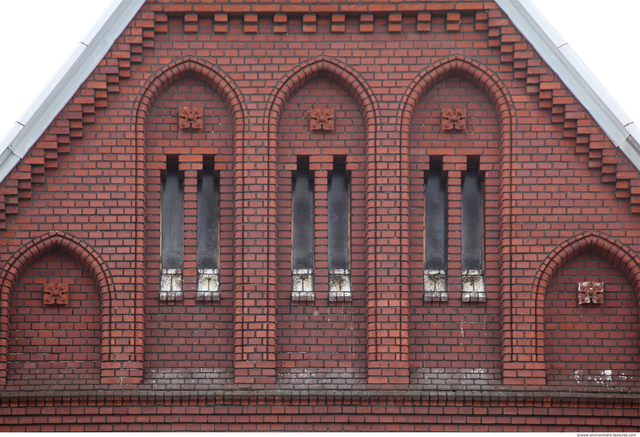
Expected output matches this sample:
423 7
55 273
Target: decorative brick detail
302 286
171 286
365 99
454 119
191 119
516 54
251 23
280 23
620 256
309 23
366 23
216 79
191 23
590 293
321 120
395 23
208 286
340 285
338 23
435 286
37 248
453 22
473 290
55 294
221 23
424 22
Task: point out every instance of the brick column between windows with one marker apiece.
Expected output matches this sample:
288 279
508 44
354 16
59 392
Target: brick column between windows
190 167
321 235
454 166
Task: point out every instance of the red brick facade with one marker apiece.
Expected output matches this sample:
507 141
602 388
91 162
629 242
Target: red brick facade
561 206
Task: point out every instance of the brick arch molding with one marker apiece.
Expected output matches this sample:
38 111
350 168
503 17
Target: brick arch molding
619 255
331 69
156 85
33 251
463 68
356 86
198 69
490 84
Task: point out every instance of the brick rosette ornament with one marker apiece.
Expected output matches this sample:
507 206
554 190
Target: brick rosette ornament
454 120
590 293
55 295
191 119
321 120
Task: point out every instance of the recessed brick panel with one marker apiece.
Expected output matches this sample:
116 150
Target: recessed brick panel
321 344
452 342
58 347
596 346
189 345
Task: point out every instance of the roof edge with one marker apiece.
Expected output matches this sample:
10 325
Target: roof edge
557 53
65 83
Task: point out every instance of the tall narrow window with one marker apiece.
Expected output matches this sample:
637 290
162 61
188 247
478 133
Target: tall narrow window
172 247
435 193
339 236
207 234
302 236
473 289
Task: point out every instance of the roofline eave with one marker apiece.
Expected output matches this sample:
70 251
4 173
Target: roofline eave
576 76
62 87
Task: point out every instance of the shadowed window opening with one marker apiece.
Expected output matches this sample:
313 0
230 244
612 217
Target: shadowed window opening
435 235
338 212
302 251
472 220
172 221
172 234
435 219
207 256
338 216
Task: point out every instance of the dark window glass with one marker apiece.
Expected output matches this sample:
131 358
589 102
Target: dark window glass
172 210
435 220
472 221
302 235
207 255
338 217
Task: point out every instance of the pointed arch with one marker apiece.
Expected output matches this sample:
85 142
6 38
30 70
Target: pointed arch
198 69
224 86
486 80
464 68
86 256
619 255
356 86
333 70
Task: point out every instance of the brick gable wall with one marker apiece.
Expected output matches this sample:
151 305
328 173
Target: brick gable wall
84 207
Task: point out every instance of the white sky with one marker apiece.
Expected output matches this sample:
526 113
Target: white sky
37 36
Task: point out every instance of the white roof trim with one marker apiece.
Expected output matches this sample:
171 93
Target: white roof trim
87 55
557 53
